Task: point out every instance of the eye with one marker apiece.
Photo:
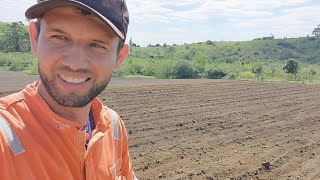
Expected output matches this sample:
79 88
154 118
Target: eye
59 37
96 45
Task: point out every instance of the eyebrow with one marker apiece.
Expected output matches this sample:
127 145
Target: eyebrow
56 30
100 41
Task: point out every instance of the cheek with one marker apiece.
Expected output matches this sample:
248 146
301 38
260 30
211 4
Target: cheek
47 57
102 67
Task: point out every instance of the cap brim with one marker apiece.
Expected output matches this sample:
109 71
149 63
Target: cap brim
40 8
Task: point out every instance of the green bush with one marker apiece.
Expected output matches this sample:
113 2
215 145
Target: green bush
247 75
292 67
184 70
232 76
134 66
216 74
257 69
199 62
16 61
164 69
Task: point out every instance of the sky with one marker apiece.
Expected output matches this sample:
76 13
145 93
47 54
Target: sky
190 21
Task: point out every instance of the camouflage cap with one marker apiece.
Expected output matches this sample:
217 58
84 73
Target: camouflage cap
112 12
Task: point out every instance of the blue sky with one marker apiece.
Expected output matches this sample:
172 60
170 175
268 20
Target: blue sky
188 21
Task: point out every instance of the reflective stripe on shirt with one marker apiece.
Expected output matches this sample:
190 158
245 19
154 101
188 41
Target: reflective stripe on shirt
11 137
115 122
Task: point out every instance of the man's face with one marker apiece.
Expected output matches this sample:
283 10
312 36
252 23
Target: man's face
76 55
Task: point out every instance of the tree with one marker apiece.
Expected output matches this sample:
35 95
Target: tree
257 69
209 42
199 62
16 38
316 31
292 67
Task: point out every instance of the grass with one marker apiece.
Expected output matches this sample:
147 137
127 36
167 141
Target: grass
139 76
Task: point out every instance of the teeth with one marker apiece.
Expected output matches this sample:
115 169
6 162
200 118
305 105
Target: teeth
73 80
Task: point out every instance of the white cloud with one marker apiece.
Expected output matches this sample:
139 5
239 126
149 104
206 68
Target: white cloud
146 11
227 19
179 21
293 22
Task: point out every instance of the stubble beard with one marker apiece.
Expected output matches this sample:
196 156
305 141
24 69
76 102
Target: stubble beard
72 100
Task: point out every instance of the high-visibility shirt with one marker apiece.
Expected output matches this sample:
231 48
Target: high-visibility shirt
36 143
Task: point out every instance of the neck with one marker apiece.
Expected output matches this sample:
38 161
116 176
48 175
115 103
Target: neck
71 113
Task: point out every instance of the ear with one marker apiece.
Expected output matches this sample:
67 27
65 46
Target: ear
121 57
33 35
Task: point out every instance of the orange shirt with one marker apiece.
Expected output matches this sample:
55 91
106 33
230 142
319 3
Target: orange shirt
54 148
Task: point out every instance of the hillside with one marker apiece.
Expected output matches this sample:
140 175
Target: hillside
256 59
231 58
305 49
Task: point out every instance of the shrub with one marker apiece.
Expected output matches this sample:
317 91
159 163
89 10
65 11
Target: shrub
184 70
164 69
199 62
17 67
257 69
232 76
210 42
311 74
190 54
292 67
247 75
216 74
16 61
136 69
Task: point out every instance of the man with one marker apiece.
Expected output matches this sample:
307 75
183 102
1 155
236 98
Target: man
56 128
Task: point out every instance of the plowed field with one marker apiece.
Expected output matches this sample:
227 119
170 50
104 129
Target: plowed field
209 129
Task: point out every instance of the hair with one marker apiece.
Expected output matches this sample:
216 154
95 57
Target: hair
83 12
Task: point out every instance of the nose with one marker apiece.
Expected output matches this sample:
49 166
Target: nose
75 58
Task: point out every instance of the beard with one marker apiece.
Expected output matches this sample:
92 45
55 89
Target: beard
72 99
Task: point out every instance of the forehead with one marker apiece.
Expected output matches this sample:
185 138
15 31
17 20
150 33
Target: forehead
71 16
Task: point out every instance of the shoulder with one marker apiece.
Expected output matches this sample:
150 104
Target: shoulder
9 138
113 115
13 108
11 123
12 99
118 126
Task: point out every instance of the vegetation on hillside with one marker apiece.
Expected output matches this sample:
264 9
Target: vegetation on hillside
261 59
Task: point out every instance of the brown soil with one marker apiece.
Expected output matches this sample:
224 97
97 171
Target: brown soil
214 129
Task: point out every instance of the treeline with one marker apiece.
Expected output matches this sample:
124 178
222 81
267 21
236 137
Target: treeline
14 37
15 48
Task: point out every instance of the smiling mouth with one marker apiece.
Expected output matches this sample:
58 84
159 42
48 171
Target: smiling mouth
74 80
